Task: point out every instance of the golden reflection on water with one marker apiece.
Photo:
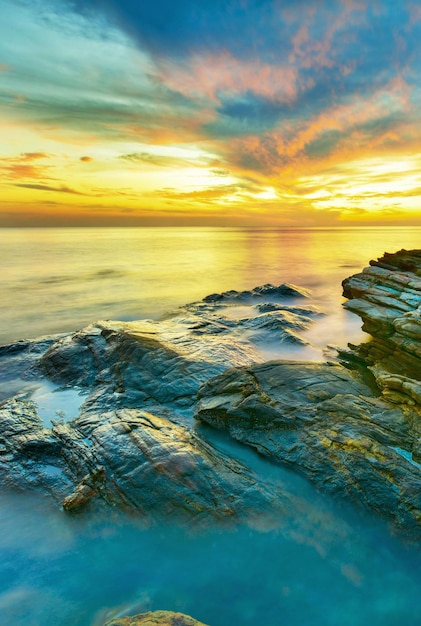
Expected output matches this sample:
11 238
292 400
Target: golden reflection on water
62 279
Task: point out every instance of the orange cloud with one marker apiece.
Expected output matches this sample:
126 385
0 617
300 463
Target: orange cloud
285 147
206 76
316 53
22 165
32 156
22 170
86 159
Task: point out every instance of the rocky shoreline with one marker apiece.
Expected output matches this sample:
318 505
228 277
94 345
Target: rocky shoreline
351 426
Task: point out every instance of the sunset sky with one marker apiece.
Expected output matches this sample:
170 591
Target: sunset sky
210 112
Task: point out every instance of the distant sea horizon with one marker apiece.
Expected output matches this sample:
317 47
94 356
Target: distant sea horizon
60 279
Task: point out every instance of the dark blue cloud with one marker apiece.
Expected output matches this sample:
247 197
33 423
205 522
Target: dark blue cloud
247 114
342 49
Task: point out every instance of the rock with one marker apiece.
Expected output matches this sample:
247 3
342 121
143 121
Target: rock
156 618
308 311
131 445
127 364
16 361
323 421
133 459
387 295
352 430
29 455
277 326
272 292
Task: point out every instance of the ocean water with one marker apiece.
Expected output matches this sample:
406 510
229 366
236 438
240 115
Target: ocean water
328 564
61 279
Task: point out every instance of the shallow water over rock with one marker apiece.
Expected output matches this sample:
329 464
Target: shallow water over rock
83 571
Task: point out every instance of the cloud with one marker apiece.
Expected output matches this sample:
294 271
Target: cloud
207 195
356 125
209 76
157 159
275 95
60 188
22 165
33 156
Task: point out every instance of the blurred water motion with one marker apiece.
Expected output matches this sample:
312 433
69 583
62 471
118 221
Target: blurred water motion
56 280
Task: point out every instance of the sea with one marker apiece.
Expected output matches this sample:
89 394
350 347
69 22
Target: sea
334 565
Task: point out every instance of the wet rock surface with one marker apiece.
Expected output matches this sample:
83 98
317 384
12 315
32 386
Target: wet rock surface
351 427
387 296
323 421
156 618
132 459
354 431
131 444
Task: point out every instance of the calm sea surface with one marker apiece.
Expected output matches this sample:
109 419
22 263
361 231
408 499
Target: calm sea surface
55 280
332 565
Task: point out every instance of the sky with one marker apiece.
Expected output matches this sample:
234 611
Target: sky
210 113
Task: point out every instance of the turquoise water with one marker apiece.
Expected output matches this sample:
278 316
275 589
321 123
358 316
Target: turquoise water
334 567
327 564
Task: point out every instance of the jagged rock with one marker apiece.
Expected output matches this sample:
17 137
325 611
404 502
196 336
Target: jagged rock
286 290
128 447
85 491
357 432
156 618
133 459
325 422
352 430
29 455
387 296
277 326
16 361
308 311
125 364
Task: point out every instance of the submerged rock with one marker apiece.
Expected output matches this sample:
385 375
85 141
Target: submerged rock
156 618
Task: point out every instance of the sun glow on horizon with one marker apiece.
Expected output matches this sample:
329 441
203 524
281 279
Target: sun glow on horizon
144 127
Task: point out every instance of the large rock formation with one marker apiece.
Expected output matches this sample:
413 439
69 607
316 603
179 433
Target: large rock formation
325 422
354 431
387 296
351 427
130 444
133 459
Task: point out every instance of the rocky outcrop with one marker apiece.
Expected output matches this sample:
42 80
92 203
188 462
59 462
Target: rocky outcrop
132 459
127 364
352 427
130 444
264 292
156 618
387 296
325 422
355 430
30 456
